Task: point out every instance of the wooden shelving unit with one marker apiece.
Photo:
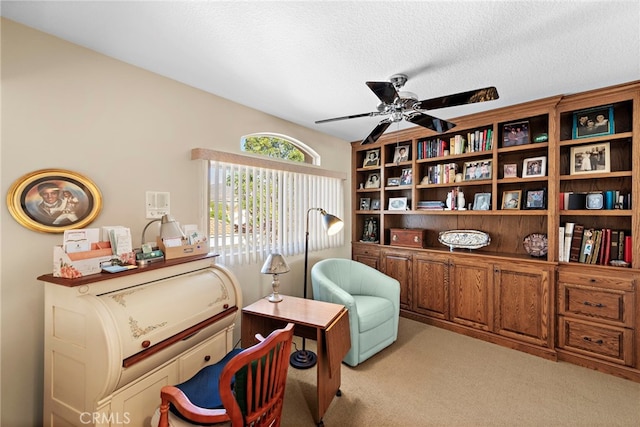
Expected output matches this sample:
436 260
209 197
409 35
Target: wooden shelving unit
553 117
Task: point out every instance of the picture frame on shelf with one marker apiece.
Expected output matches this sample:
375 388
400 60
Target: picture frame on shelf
477 170
534 167
365 203
592 158
535 199
510 170
401 154
375 204
511 199
54 200
370 230
407 177
482 202
516 133
393 182
593 122
373 181
372 159
397 203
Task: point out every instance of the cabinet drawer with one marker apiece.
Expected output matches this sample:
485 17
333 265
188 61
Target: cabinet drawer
367 250
408 237
586 278
607 305
207 353
611 343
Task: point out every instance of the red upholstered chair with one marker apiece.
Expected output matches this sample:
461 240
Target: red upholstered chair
246 388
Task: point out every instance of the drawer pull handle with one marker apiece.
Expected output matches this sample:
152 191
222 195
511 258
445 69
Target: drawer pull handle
395 237
591 304
416 239
207 358
590 340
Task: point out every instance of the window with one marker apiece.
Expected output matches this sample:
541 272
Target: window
280 147
258 206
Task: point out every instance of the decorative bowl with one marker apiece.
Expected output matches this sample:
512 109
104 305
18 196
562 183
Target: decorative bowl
464 239
536 244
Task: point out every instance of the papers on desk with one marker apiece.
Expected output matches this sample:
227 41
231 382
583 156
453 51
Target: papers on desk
120 238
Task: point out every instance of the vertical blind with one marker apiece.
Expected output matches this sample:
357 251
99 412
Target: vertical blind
258 210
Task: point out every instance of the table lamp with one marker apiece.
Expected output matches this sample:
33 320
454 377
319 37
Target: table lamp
303 359
169 228
275 264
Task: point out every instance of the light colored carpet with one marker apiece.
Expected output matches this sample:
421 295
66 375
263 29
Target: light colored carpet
433 377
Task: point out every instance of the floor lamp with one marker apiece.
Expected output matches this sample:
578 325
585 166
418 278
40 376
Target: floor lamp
303 359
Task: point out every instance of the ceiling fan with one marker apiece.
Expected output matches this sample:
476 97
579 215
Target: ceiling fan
399 104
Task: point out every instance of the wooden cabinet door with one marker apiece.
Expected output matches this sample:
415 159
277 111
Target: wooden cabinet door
398 264
523 303
431 285
471 293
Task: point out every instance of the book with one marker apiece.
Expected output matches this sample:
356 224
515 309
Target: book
576 243
595 251
607 248
620 244
613 252
603 245
561 243
568 235
627 249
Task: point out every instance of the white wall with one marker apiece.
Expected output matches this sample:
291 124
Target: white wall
129 131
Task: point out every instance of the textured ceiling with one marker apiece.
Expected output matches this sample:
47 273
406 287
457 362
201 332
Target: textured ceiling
306 61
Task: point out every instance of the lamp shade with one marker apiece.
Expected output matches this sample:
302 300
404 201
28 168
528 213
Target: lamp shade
332 224
275 264
169 228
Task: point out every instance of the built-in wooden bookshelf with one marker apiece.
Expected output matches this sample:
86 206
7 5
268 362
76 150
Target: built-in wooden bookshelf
542 142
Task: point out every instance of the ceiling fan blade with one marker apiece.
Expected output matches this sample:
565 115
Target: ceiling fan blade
462 98
429 122
353 116
376 132
385 91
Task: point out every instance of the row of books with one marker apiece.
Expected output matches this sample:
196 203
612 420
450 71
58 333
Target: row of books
609 199
442 173
479 140
593 246
430 205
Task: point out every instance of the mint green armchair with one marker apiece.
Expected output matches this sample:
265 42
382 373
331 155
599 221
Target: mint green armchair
372 298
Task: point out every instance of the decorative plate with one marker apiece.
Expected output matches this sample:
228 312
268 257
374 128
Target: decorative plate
536 244
464 239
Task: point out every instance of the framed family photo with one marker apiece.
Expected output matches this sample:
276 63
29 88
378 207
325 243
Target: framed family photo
515 134
482 201
373 181
54 200
375 204
593 122
477 170
397 203
535 199
510 170
393 182
593 158
372 159
365 203
534 166
401 154
511 199
407 177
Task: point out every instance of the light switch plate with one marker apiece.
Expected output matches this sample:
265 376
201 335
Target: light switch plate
157 204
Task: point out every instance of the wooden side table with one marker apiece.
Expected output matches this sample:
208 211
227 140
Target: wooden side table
326 323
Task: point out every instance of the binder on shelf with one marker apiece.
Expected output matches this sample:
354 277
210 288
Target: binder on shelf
577 201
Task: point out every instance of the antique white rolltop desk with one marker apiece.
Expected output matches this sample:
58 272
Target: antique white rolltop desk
113 340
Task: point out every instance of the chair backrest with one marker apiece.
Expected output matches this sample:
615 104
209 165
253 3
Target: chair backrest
260 374
251 386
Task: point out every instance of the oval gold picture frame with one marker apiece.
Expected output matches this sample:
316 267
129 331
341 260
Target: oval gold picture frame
54 200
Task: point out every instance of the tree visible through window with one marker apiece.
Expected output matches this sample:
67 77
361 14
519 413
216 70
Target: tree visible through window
277 147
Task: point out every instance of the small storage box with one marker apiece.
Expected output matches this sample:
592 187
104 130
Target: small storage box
408 237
